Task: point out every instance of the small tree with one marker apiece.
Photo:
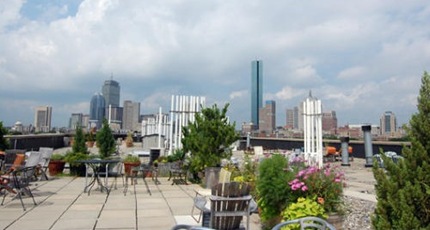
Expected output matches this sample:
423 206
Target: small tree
79 145
208 138
105 140
4 143
403 189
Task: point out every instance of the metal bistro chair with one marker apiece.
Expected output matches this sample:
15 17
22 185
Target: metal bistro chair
19 184
310 222
44 161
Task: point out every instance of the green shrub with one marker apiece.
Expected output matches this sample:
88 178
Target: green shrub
131 159
273 189
57 157
72 158
302 208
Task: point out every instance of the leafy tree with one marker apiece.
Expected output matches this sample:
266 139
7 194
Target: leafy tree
79 145
4 143
105 140
208 138
403 189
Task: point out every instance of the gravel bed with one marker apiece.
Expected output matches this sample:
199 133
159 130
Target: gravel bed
358 213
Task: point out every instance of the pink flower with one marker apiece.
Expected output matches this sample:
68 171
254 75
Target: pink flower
304 188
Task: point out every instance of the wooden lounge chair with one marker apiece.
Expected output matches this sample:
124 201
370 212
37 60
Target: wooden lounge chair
229 203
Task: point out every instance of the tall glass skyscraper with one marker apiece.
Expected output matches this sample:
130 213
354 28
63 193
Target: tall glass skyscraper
110 91
97 110
256 90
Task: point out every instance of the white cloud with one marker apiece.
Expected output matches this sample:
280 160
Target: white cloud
344 52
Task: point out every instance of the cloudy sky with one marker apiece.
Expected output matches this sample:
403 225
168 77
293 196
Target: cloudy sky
360 58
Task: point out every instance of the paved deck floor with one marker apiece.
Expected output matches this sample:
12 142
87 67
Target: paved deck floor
62 204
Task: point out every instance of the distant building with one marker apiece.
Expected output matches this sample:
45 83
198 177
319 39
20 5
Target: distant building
256 90
111 93
97 110
293 117
85 120
153 124
329 122
388 124
75 121
114 115
42 118
267 123
131 115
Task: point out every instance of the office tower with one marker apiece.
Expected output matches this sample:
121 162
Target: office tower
97 110
293 118
131 115
267 116
85 120
110 91
329 122
256 90
75 121
42 118
388 123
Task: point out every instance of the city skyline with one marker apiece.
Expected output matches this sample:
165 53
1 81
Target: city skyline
360 58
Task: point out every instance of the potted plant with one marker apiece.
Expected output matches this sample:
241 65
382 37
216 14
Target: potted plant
129 162
76 168
208 140
106 141
56 164
129 140
90 139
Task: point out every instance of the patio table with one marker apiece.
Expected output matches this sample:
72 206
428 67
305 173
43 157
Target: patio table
97 165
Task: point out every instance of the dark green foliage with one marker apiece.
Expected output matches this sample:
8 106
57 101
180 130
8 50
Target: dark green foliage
79 145
106 141
4 143
178 155
208 138
273 189
403 188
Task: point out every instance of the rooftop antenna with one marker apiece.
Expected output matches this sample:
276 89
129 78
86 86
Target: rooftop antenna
111 76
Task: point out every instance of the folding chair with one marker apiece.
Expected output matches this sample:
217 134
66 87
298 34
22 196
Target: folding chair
19 184
44 161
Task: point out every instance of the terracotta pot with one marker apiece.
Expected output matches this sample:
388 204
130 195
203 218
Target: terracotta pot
56 167
90 144
129 165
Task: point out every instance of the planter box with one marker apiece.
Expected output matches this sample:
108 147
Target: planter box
56 167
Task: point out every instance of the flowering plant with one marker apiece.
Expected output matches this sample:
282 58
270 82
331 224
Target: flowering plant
326 184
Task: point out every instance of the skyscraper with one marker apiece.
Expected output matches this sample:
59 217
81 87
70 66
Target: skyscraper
293 117
256 90
388 123
42 118
110 91
131 115
267 116
75 120
97 110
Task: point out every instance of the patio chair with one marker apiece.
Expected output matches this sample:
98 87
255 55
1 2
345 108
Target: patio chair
115 171
229 203
19 184
9 159
177 173
307 223
33 160
44 161
200 199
